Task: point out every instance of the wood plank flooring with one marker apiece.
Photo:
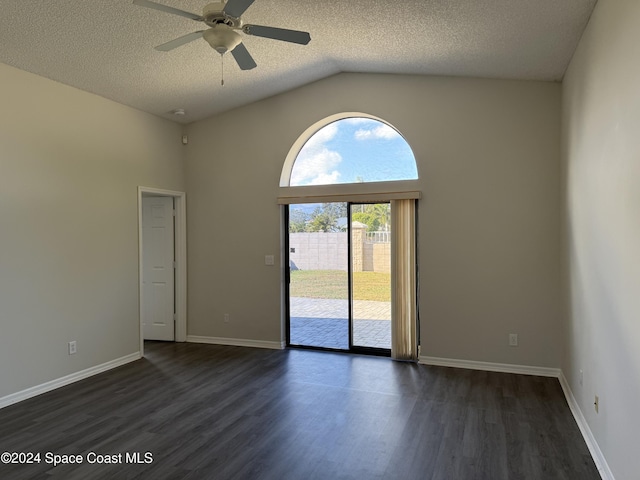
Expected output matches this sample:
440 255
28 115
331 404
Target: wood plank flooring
218 412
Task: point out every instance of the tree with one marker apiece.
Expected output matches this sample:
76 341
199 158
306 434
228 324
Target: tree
368 219
325 217
297 220
337 210
382 212
375 216
322 221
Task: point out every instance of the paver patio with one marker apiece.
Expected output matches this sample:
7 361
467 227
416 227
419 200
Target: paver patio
324 323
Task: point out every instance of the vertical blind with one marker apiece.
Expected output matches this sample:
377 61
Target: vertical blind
403 280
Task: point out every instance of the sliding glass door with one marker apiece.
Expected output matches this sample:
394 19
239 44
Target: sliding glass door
339 276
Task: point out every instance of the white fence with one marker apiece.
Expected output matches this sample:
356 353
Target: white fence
378 237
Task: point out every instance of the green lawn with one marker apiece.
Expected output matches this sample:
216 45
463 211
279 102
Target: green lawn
333 284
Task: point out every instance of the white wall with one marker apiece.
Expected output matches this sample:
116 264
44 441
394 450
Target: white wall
488 155
601 152
70 164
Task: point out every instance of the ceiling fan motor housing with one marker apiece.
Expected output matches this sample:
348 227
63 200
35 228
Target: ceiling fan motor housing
213 15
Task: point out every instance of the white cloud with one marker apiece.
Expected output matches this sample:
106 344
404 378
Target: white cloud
384 132
322 136
325 178
316 163
312 169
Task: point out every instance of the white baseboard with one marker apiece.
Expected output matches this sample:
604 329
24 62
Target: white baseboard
66 380
594 449
236 342
491 367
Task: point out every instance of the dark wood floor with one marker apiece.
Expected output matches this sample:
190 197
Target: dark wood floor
216 412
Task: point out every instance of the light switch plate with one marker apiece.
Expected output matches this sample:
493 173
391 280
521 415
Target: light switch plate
269 260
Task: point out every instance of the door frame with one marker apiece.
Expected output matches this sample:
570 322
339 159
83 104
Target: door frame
180 246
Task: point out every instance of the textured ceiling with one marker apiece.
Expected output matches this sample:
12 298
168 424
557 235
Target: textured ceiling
106 46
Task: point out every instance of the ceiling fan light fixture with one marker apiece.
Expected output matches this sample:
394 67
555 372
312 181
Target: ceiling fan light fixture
222 38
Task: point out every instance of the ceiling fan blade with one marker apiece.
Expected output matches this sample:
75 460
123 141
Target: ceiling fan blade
167 9
242 56
178 42
293 36
235 8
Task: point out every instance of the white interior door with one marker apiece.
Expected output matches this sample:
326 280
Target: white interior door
158 292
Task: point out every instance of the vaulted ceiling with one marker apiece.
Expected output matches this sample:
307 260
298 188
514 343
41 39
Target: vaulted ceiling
107 46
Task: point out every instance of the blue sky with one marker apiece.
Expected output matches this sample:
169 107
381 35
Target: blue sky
353 148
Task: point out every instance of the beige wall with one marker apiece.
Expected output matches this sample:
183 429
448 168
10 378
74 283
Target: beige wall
601 152
70 164
488 155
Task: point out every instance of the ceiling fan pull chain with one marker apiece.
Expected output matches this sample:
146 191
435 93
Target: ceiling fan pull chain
222 70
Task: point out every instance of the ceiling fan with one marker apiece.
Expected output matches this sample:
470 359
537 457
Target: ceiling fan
224 18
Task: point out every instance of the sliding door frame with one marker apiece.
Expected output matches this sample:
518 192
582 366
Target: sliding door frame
287 275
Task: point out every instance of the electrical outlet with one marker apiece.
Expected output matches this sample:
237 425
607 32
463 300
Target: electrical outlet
596 404
513 339
269 260
226 318
73 347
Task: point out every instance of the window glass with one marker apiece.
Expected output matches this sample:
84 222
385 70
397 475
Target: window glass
354 150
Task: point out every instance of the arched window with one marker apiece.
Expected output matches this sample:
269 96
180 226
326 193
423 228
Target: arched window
347 149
